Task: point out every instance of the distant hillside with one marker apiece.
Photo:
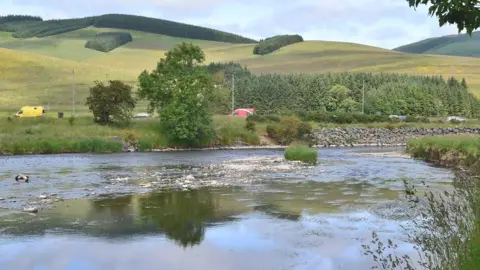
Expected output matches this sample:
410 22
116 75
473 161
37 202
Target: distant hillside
29 27
455 45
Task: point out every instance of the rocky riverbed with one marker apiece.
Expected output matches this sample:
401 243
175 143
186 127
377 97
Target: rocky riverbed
351 136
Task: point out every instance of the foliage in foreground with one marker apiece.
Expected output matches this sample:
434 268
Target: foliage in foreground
465 14
301 152
179 89
444 226
343 92
445 234
274 43
112 103
108 41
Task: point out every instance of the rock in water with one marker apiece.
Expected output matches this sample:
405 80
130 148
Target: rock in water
22 177
30 209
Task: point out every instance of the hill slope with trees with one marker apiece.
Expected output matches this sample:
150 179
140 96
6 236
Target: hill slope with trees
28 27
455 45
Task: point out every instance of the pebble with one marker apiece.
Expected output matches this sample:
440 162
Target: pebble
190 177
42 197
2 199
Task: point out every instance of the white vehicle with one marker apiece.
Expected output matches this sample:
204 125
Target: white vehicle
142 115
455 118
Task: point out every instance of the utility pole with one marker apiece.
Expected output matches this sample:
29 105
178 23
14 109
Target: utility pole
363 97
233 93
48 95
73 93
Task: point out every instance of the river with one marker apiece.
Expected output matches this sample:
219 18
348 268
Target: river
239 209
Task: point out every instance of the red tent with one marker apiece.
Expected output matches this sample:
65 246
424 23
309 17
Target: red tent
244 112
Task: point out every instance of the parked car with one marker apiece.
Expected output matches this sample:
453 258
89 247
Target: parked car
30 111
455 118
400 117
142 115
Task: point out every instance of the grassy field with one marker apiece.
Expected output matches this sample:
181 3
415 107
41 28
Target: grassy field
37 70
51 135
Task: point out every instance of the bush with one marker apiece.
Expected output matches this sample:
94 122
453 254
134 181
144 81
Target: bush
343 117
300 152
105 42
274 43
289 129
250 124
104 110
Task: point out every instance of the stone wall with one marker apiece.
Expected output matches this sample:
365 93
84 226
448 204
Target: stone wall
328 137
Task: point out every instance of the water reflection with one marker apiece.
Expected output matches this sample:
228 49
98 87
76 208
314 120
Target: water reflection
181 215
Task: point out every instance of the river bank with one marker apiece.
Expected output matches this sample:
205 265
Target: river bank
461 151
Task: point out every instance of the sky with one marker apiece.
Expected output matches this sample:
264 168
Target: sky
386 23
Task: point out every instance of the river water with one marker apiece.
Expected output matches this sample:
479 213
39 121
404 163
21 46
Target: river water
242 209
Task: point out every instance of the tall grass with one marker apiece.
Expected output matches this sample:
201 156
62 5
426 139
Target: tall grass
300 152
459 150
48 135
445 226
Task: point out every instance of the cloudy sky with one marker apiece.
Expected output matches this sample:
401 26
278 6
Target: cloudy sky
386 23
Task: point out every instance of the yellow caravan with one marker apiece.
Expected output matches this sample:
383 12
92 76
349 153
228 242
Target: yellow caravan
30 111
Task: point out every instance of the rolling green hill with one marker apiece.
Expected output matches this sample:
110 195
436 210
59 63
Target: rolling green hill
38 28
455 45
38 69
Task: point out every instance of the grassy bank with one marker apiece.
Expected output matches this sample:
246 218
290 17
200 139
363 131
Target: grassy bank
451 151
447 235
50 135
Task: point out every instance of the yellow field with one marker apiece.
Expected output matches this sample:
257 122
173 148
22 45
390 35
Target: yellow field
31 66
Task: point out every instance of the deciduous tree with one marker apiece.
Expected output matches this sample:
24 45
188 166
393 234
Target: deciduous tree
463 13
180 89
112 103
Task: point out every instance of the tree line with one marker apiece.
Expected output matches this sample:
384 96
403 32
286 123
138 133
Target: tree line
28 28
107 41
274 43
384 93
19 18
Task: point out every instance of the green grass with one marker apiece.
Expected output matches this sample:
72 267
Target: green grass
51 135
457 150
303 153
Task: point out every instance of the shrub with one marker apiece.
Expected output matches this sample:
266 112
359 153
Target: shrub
104 110
71 120
250 124
300 152
289 129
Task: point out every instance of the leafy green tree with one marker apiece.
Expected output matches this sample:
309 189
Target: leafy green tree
112 103
464 13
180 89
